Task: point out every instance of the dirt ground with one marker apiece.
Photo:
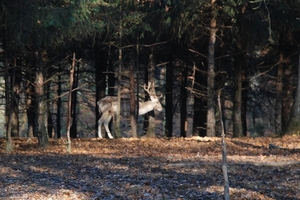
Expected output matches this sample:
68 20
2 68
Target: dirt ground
177 168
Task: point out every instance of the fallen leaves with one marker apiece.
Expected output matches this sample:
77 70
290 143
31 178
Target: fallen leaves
150 168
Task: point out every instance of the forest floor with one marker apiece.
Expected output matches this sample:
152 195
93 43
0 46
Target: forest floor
176 168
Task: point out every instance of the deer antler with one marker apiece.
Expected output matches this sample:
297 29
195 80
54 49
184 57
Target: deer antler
151 91
147 89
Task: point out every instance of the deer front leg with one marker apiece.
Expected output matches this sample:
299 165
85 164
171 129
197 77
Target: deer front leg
100 122
106 123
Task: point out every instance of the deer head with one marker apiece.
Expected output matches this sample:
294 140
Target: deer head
153 97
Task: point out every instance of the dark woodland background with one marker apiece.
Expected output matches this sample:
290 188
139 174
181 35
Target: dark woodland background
245 51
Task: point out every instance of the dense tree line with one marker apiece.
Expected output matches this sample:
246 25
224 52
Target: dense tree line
248 50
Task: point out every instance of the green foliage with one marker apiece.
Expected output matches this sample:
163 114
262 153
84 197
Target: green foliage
52 24
134 23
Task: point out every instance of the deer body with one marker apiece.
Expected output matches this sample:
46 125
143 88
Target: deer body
107 106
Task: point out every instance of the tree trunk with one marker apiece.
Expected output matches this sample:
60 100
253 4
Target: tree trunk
74 102
287 95
200 104
133 113
211 119
58 112
30 103
278 102
284 84
169 97
69 115
244 97
41 112
294 122
224 152
111 79
120 51
100 67
137 85
8 100
15 88
183 98
151 120
237 104
49 114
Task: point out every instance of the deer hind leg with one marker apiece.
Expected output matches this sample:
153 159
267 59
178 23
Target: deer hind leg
104 119
106 123
100 122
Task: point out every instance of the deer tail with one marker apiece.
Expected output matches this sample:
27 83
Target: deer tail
98 105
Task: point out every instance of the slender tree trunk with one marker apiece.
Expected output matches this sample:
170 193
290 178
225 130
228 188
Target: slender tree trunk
211 119
8 100
200 104
146 116
133 113
74 103
118 117
169 97
9 124
49 114
137 102
237 104
244 96
284 85
41 112
69 115
224 152
100 67
241 83
111 79
183 98
30 103
151 71
287 95
278 103
58 112
7 88
14 112
294 122
16 85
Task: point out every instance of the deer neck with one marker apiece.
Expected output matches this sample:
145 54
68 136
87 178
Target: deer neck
146 107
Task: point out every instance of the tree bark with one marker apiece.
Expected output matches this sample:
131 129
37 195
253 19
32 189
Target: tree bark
183 98
151 120
200 103
58 112
224 152
294 122
41 112
50 127
211 119
278 102
69 115
100 67
8 112
111 79
74 102
287 95
169 97
120 51
133 113
30 103
15 88
7 88
237 103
